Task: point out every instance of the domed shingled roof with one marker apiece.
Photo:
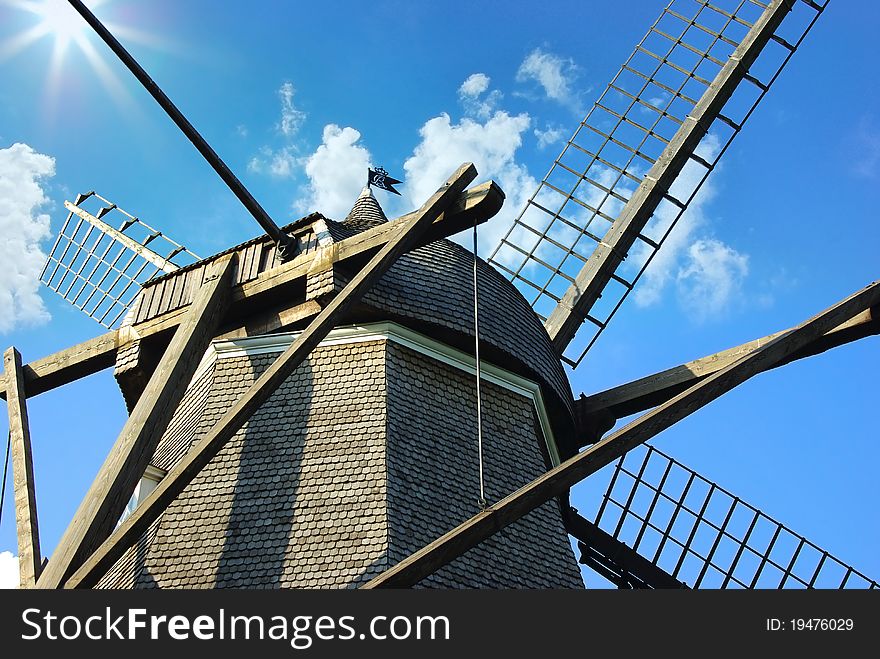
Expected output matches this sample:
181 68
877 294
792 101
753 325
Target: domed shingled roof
433 286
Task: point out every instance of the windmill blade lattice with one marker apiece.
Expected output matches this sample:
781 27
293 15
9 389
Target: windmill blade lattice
678 70
100 269
703 535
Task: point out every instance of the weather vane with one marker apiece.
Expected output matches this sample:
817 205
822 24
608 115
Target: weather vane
379 178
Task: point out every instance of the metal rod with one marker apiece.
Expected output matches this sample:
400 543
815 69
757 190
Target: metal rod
482 501
285 244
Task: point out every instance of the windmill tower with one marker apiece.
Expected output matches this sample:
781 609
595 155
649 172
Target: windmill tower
303 405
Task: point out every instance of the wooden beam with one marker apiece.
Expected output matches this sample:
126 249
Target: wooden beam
652 390
105 501
215 439
566 318
471 206
555 482
29 561
144 252
613 555
69 364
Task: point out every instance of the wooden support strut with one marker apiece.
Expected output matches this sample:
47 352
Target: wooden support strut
555 482
29 561
475 205
215 439
652 390
105 501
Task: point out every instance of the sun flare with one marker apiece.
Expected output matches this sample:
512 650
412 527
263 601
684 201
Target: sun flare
58 24
60 20
55 19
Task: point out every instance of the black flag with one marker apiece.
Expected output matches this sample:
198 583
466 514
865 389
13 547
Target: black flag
379 177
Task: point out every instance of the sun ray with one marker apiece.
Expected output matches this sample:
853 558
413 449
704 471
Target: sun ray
129 34
105 74
21 41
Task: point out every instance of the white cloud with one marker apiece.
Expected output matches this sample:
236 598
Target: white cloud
279 162
291 117
23 227
711 278
549 135
708 275
337 172
475 85
473 97
553 73
491 145
337 168
9 577
658 102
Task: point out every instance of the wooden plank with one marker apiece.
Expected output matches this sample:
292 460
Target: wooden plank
193 283
206 448
104 502
266 323
271 257
174 299
186 293
167 293
646 392
143 310
156 306
69 364
29 561
249 254
247 263
254 265
570 312
555 482
475 205
237 276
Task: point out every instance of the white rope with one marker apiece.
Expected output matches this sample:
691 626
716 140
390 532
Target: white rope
482 500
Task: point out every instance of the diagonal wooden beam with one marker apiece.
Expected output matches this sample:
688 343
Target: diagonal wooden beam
609 556
555 482
105 500
566 318
475 205
29 561
652 390
214 440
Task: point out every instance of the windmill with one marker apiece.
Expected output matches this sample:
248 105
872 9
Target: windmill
230 366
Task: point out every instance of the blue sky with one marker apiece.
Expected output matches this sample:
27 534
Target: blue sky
298 101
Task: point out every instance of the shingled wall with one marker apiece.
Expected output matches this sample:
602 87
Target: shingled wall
364 454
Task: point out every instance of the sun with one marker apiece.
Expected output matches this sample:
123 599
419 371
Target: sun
59 20
55 19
